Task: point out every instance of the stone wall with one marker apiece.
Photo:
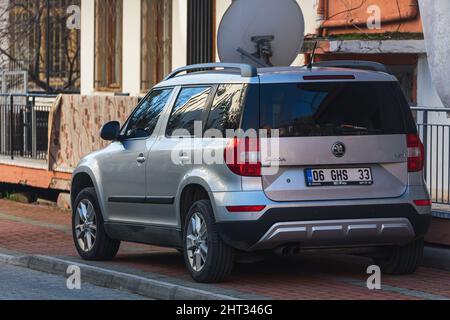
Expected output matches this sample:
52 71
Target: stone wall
75 123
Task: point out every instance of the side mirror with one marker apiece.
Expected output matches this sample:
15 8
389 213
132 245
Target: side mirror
110 131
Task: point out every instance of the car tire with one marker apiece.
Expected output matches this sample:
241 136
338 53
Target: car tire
218 262
402 260
87 222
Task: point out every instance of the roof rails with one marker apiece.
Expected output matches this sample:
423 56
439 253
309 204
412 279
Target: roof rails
247 71
354 64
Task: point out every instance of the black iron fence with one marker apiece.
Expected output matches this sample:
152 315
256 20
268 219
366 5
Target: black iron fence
24 125
434 129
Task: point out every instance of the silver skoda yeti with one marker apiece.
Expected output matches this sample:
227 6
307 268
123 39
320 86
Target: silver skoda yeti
349 169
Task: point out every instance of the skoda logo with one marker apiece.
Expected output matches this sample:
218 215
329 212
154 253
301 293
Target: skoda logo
338 149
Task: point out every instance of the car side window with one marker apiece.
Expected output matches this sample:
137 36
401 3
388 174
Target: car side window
226 110
188 109
143 121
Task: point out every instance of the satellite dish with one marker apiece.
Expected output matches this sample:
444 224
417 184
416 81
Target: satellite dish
261 32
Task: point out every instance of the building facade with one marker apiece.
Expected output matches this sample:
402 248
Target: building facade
128 46
389 32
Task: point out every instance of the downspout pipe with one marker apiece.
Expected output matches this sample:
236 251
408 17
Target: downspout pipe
320 16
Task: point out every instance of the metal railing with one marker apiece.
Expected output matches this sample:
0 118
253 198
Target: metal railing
24 125
434 130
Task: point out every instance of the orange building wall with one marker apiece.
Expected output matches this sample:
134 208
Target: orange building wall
350 16
38 178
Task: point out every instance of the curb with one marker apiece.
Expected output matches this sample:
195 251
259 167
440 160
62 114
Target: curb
153 289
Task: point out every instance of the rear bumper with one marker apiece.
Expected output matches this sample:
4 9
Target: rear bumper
336 226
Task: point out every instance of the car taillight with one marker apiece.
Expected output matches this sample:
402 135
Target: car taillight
242 157
416 153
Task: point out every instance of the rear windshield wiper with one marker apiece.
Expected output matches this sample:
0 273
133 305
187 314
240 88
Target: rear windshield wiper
348 128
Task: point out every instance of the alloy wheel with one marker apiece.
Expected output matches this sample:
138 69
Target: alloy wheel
85 225
197 242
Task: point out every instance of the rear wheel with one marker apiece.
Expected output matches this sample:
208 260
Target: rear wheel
402 260
89 235
207 257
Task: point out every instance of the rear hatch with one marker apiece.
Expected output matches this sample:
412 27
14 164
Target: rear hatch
338 140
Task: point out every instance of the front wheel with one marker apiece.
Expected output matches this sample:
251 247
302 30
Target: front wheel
207 257
89 235
402 260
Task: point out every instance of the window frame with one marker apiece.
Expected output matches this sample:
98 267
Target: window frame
159 60
98 57
205 111
123 130
64 43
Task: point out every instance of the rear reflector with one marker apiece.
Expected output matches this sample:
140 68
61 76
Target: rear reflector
329 77
235 209
416 153
423 203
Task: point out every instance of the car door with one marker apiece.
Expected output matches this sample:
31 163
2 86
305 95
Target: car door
124 167
171 156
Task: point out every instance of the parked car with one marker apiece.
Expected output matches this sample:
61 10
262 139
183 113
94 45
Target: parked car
349 171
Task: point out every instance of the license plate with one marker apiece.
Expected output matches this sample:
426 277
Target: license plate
339 177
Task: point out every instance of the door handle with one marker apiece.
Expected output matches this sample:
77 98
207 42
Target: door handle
141 159
184 158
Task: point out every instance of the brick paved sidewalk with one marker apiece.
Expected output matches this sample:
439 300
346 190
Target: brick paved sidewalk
32 229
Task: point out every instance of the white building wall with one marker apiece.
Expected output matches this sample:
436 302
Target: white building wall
309 9
427 95
131 56
436 20
221 8
437 139
179 33
87 46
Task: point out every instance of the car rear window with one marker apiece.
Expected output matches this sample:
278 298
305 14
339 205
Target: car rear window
335 108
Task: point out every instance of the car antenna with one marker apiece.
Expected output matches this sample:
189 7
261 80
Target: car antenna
313 55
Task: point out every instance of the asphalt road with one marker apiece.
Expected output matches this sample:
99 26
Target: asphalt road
23 284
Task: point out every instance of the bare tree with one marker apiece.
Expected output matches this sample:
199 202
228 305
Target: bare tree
34 37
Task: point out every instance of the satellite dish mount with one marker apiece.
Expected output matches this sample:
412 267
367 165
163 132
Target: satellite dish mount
263 52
